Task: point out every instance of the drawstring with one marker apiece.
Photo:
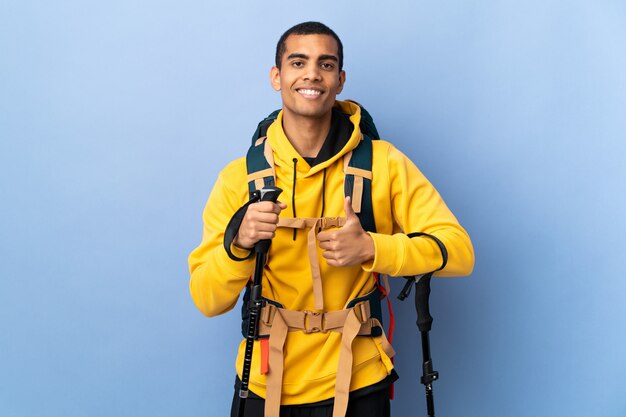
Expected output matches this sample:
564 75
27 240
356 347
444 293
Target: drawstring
293 195
323 194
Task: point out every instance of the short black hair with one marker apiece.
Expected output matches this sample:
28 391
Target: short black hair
308 28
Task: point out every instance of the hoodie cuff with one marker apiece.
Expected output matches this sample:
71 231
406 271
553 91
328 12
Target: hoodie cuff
240 252
241 268
388 255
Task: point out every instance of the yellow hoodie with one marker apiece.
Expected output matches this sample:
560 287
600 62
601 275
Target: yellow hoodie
403 201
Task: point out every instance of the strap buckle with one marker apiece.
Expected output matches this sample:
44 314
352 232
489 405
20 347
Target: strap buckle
362 311
313 322
267 314
328 222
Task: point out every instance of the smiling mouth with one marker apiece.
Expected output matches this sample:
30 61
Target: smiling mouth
309 93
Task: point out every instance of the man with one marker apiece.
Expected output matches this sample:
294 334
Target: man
314 274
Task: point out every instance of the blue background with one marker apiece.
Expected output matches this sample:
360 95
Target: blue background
115 118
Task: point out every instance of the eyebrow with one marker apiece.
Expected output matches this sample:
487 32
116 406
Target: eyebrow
321 58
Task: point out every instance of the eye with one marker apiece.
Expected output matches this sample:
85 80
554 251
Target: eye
297 64
327 65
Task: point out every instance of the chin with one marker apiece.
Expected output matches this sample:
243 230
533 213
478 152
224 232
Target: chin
316 112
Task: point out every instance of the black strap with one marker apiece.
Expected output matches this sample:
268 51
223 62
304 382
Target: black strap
233 228
442 247
406 290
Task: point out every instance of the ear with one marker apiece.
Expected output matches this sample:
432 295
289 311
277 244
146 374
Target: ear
342 80
275 78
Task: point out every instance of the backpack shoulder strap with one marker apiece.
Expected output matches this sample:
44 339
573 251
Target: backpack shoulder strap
260 166
358 182
261 129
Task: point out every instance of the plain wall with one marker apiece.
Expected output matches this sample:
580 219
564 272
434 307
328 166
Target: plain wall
115 118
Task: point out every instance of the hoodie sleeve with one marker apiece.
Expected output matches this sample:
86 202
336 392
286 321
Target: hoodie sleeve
416 206
216 280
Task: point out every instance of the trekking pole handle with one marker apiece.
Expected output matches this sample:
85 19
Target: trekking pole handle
422 294
266 194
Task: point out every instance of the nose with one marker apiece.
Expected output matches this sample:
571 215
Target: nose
312 73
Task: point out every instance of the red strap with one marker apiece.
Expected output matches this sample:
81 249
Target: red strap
265 355
392 325
392 322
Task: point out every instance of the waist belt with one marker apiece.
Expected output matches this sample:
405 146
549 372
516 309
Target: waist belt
355 320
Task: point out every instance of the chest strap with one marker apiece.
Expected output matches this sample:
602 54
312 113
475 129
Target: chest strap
351 322
316 225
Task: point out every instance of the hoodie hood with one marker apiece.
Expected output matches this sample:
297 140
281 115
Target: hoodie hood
285 153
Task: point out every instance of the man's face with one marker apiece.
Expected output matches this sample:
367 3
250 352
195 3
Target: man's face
309 78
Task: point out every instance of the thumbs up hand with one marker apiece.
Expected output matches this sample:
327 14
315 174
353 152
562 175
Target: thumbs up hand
349 245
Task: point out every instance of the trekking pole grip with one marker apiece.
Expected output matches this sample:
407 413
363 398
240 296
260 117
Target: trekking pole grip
422 294
266 194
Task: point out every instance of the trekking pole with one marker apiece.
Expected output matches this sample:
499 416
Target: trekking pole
425 321
256 303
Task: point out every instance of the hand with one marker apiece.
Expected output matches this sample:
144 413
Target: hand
259 223
349 245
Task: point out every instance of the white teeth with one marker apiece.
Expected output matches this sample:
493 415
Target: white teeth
310 92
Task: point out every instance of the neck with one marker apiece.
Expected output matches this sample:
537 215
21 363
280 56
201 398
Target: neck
306 134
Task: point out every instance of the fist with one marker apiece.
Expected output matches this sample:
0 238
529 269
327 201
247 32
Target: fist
259 223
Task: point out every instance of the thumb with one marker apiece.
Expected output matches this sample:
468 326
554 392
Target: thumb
347 207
